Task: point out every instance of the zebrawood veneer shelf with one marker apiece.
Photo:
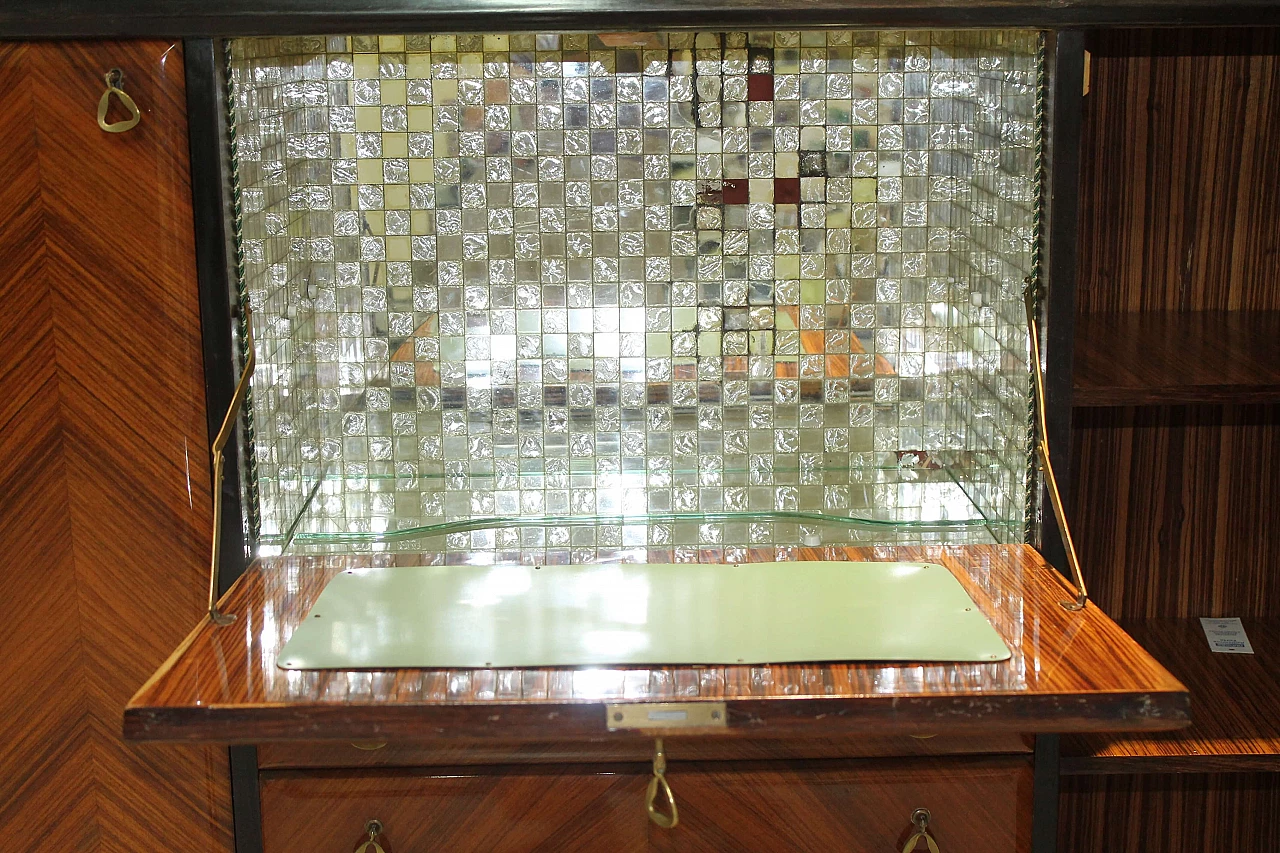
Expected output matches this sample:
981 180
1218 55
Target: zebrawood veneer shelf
1141 359
1070 671
1235 707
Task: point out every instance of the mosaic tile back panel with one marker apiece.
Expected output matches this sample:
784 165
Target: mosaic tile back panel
594 274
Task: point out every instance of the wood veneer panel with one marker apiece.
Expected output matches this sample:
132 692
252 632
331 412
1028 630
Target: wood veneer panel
151 18
1237 728
976 804
1172 814
104 492
1137 359
1069 671
466 753
501 810
1176 511
1180 185
861 807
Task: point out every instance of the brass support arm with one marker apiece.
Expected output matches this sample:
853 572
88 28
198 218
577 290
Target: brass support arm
219 444
1042 451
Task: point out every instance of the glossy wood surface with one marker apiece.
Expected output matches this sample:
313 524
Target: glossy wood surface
1140 359
800 806
1195 813
1180 185
1176 510
1236 726
690 748
1069 671
104 492
79 18
511 809
863 807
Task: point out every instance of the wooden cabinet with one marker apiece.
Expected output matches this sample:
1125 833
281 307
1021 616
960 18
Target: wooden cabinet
818 806
104 479
1176 450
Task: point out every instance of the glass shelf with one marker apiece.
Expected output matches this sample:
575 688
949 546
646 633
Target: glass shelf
586 512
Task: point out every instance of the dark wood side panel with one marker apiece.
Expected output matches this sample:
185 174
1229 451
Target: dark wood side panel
1176 509
856 806
1171 814
1180 185
1235 727
104 483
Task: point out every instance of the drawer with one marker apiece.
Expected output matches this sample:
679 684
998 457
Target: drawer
297 756
499 809
862 805
979 804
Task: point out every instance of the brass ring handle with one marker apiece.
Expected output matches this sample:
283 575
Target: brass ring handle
374 828
920 819
659 783
114 80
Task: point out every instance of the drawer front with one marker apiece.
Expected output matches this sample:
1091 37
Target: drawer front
299 756
975 804
503 810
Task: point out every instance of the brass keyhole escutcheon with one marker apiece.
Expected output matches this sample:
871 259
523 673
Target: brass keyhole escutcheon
920 820
374 828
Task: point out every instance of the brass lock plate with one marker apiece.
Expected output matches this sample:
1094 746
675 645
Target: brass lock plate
666 715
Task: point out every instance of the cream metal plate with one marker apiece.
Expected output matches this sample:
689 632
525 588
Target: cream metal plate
636 614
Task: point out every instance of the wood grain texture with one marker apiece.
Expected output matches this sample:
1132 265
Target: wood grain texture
1238 727
1069 671
104 493
861 807
815 806
503 810
465 753
1176 511
1180 185
1170 814
153 18
1138 359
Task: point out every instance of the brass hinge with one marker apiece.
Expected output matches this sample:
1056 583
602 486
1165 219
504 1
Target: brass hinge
1088 70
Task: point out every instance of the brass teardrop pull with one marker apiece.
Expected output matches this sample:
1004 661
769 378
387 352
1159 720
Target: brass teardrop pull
659 784
115 79
374 828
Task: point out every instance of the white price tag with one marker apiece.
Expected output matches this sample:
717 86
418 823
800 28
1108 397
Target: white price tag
1226 636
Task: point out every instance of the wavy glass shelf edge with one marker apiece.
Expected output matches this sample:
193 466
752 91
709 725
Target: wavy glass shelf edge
632 536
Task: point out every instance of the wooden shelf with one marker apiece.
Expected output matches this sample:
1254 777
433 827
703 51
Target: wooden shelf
1142 359
1069 671
1235 708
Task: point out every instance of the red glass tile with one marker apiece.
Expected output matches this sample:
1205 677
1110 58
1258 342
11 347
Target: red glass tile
786 190
759 87
735 192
